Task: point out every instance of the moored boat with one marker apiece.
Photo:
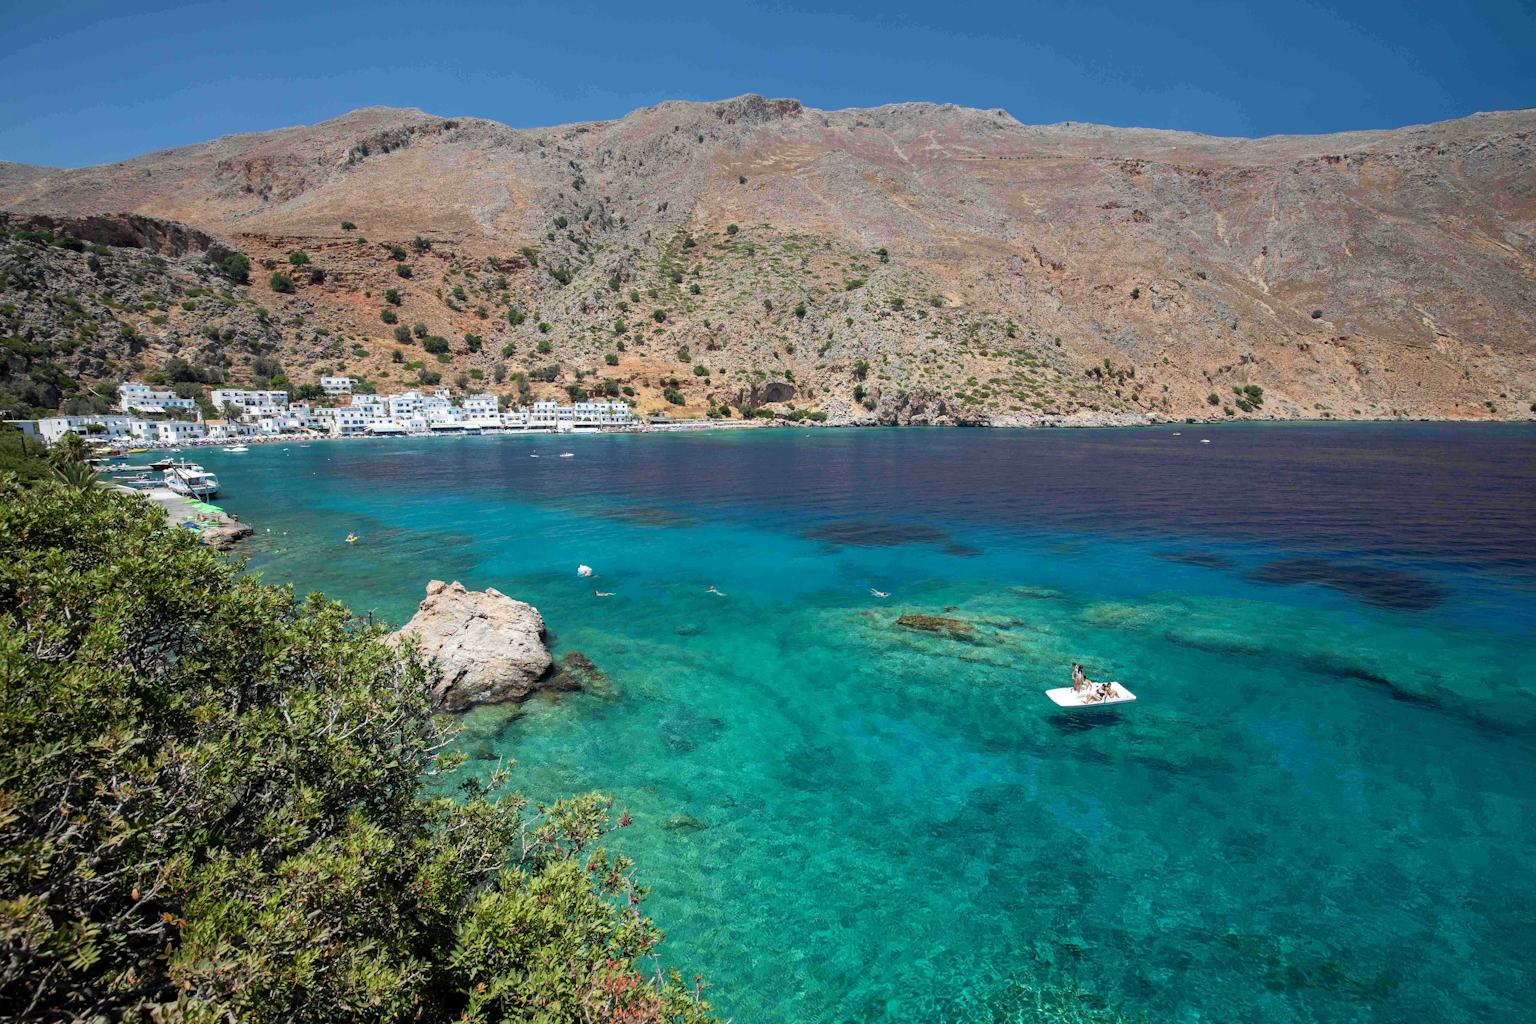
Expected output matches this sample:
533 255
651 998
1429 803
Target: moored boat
191 480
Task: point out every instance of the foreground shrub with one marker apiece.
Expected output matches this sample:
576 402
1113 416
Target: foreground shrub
214 806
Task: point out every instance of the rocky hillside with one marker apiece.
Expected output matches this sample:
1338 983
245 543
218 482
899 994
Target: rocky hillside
910 263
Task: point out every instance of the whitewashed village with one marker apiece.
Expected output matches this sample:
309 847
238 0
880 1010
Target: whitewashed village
153 417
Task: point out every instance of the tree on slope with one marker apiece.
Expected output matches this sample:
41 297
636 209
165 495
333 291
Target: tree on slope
219 803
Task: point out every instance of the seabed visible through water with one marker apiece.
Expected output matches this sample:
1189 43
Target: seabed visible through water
1321 807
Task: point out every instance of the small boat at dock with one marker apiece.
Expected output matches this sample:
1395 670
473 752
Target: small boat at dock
191 480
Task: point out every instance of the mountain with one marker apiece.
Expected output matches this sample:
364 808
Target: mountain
906 263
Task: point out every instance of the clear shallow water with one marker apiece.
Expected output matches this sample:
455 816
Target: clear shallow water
1322 808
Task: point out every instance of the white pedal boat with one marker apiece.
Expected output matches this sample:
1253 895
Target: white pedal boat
1078 700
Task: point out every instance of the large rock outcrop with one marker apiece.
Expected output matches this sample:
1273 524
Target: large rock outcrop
486 647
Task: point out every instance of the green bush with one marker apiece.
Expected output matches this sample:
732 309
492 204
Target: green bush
316 275
389 316
403 335
672 395
347 225
298 257
435 345
216 809
236 267
659 315
473 342
515 316
392 296
544 347
403 269
611 359
19 456
731 229
280 282
1213 399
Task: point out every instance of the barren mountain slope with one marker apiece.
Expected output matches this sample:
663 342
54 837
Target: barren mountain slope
934 263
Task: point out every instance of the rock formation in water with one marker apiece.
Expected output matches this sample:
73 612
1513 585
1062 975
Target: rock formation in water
486 647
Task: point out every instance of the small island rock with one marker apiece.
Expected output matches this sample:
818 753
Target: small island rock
487 648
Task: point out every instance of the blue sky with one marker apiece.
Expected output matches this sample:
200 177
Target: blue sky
84 82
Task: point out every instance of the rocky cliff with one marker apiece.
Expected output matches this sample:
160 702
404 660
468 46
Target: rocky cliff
909 263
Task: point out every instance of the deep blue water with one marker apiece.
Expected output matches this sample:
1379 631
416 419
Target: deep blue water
1321 808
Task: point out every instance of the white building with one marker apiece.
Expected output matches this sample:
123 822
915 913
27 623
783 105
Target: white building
110 427
481 412
134 396
544 416
600 414
443 416
404 405
336 385
178 431
253 405
350 420
284 423
228 429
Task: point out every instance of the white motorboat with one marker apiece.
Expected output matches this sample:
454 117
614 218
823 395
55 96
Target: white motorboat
236 448
191 480
567 455
1087 699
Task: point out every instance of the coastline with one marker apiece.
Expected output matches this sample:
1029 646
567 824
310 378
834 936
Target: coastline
1095 422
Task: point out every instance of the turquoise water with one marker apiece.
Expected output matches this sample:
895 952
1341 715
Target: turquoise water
1320 809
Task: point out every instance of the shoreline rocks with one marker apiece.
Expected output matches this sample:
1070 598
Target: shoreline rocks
226 534
485 647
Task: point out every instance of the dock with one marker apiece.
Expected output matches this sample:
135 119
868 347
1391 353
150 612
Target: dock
214 527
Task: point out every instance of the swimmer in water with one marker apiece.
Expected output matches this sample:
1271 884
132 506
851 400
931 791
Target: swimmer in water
879 593
602 593
712 590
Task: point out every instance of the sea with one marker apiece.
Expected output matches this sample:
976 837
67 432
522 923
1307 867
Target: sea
1321 806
